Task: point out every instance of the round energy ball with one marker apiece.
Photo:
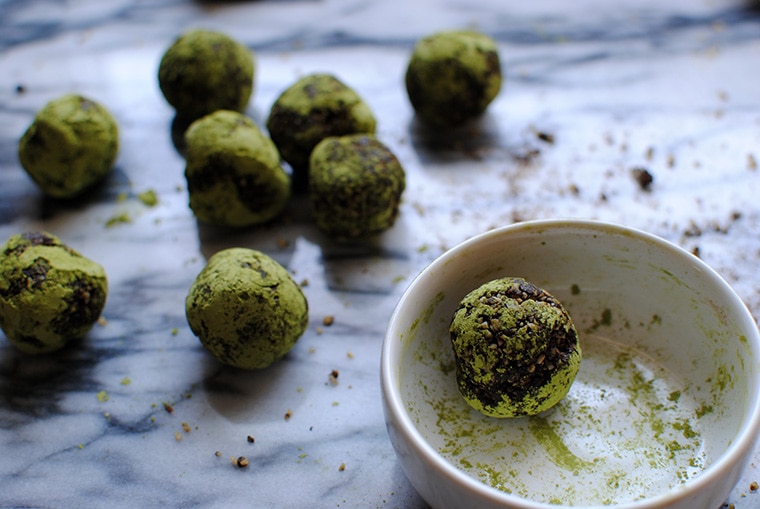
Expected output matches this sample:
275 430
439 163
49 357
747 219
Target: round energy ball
452 77
70 146
233 171
49 293
204 71
315 107
355 186
246 309
516 349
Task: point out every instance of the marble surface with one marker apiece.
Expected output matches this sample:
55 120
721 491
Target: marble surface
594 90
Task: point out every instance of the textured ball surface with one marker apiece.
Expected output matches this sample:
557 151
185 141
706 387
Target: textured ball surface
246 309
516 349
355 186
204 71
452 77
315 107
70 146
233 171
49 293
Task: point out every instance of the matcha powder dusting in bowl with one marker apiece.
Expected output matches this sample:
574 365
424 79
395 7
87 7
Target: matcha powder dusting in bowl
664 411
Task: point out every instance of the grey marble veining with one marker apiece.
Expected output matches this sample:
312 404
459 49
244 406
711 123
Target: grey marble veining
666 86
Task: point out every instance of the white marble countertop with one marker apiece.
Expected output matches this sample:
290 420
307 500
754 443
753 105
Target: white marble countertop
670 87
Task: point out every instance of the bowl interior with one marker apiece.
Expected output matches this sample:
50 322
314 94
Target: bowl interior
667 382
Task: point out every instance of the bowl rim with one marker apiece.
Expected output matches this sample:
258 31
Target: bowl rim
746 437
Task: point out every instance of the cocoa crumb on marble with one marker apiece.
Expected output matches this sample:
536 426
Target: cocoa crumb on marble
186 427
342 467
242 462
643 177
671 160
526 156
695 251
177 436
753 486
751 162
328 320
250 439
168 408
334 377
20 88
288 415
544 136
218 454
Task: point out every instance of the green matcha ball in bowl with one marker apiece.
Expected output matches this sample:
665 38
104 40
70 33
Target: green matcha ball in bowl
663 411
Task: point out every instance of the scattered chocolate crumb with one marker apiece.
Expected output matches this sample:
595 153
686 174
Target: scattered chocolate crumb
649 153
242 462
102 321
753 486
186 427
643 177
342 467
751 162
349 355
288 415
328 320
168 408
695 251
527 156
177 436
320 330
305 283
547 137
334 377
250 439
218 454
20 89
671 160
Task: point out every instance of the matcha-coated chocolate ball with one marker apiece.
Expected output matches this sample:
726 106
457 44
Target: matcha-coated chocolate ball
233 171
49 293
516 349
355 186
70 146
452 77
204 71
315 107
246 309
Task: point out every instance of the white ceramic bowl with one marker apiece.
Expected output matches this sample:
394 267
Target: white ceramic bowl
665 409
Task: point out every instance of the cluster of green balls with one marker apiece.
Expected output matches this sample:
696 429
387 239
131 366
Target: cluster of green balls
319 126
